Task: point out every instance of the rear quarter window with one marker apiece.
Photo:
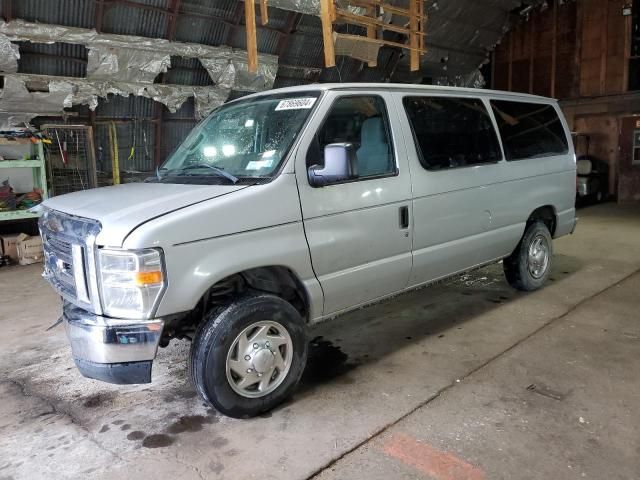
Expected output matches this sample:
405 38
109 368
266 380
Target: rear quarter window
529 130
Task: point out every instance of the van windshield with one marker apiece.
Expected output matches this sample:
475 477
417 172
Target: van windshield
244 140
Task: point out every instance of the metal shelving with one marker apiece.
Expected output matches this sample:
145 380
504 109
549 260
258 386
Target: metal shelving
39 170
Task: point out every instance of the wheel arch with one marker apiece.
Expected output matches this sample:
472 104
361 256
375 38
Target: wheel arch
278 280
548 215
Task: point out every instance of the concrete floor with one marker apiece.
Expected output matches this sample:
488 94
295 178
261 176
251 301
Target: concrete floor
465 380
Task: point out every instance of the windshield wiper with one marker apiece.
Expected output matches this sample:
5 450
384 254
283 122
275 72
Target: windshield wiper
217 170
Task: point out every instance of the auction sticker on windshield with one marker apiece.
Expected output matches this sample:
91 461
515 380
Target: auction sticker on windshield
296 103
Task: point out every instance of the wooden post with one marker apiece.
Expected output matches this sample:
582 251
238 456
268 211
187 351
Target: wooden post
628 27
371 32
413 35
576 88
115 160
326 8
264 13
252 41
604 32
493 69
532 32
510 74
554 50
91 154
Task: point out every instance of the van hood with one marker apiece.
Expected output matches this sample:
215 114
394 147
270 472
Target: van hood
122 208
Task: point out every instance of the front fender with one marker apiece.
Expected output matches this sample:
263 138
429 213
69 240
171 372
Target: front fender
194 267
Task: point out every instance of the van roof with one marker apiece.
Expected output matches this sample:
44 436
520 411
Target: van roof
401 87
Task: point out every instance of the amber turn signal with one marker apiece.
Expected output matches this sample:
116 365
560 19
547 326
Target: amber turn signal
148 278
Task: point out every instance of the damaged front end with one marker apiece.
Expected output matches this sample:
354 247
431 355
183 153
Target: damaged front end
104 348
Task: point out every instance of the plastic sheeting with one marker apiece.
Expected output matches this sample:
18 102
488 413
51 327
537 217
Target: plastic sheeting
84 91
126 64
234 73
9 55
18 105
132 58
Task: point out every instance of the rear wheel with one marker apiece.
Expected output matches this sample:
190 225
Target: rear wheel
529 266
248 357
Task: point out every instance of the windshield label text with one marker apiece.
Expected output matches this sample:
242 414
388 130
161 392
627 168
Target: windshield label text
296 104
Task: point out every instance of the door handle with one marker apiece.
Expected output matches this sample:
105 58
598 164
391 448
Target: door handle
404 217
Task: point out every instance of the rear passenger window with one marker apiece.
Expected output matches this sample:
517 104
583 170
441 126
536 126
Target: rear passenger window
529 130
452 132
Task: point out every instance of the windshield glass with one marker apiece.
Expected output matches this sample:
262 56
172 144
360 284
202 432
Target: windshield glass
242 139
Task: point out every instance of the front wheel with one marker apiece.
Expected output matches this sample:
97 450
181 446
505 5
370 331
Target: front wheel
529 266
248 357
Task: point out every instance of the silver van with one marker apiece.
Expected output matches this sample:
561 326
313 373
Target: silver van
288 207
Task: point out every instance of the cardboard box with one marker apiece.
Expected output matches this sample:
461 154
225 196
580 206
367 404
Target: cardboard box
29 249
9 246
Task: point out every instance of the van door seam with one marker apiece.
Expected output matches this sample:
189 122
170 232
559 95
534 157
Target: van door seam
306 239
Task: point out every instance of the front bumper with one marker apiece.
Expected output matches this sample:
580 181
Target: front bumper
112 350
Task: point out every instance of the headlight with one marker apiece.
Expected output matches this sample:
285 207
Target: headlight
131 282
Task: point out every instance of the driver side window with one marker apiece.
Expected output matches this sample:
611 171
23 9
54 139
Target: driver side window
362 121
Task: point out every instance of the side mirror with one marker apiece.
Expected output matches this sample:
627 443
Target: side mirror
340 164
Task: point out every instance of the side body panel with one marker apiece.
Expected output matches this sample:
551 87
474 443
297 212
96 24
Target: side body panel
257 226
532 183
469 216
358 248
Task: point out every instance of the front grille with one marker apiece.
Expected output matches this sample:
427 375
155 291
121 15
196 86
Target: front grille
58 266
62 235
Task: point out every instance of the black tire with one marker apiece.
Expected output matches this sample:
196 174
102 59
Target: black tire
516 266
216 335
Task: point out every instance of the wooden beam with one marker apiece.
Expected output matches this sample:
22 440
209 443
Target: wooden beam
510 73
604 46
7 6
252 40
349 17
264 13
326 8
99 16
532 32
576 88
493 69
379 41
172 20
554 50
414 56
628 27
371 32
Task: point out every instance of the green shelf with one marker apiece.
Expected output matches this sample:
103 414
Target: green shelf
20 164
17 215
37 164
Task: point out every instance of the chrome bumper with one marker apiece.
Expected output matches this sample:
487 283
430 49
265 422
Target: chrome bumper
112 350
